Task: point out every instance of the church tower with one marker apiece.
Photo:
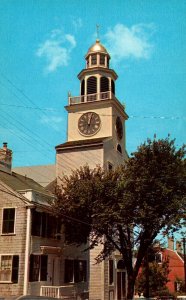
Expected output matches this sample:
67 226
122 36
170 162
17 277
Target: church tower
95 117
96 136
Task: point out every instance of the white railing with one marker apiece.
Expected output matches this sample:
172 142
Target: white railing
60 292
66 292
91 97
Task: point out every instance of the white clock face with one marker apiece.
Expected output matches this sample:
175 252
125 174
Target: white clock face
89 123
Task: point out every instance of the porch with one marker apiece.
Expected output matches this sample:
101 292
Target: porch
67 292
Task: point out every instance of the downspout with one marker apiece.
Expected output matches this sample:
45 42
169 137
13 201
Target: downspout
27 251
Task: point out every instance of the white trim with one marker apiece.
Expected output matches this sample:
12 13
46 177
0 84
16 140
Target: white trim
27 250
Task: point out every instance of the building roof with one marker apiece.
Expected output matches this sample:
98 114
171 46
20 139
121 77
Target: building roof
20 183
82 143
43 174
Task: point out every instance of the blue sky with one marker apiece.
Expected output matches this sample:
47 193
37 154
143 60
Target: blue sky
43 43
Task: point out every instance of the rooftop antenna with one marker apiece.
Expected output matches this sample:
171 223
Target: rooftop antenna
97 31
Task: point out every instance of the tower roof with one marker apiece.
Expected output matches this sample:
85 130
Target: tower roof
97 47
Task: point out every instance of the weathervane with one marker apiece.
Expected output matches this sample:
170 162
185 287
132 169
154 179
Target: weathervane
97 31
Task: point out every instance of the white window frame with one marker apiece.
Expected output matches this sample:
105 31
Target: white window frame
8 233
10 279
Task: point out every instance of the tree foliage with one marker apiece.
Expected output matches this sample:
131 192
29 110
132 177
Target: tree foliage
128 206
158 278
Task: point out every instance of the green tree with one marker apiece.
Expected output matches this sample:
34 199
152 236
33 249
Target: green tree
153 275
128 206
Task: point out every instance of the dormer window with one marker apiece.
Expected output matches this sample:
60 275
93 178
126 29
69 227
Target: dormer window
93 59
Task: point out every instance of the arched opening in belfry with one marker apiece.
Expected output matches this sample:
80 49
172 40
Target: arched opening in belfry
104 84
102 59
92 85
113 87
83 87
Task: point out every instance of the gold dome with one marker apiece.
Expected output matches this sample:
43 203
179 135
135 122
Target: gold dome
97 47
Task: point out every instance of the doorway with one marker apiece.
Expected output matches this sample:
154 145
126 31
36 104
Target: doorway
121 280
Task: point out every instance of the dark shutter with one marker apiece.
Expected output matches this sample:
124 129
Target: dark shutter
43 268
92 85
15 268
104 84
111 271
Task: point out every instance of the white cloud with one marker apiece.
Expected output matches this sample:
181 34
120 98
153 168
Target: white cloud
77 23
56 50
53 121
123 42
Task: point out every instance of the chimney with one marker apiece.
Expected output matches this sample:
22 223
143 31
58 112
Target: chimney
171 243
5 159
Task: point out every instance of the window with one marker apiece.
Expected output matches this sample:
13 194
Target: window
119 148
75 270
9 267
158 257
83 87
94 59
102 59
111 271
45 225
113 87
69 270
8 220
104 84
109 166
38 267
92 85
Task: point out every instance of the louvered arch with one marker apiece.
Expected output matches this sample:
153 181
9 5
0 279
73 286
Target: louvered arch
83 87
92 85
113 87
104 84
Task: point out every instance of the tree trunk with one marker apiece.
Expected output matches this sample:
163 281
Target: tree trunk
130 287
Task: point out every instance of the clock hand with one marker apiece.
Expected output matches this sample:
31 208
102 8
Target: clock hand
89 118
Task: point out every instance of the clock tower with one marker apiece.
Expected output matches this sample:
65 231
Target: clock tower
96 114
96 136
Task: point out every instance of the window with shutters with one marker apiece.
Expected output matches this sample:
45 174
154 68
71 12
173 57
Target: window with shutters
38 268
9 268
8 224
104 84
92 85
